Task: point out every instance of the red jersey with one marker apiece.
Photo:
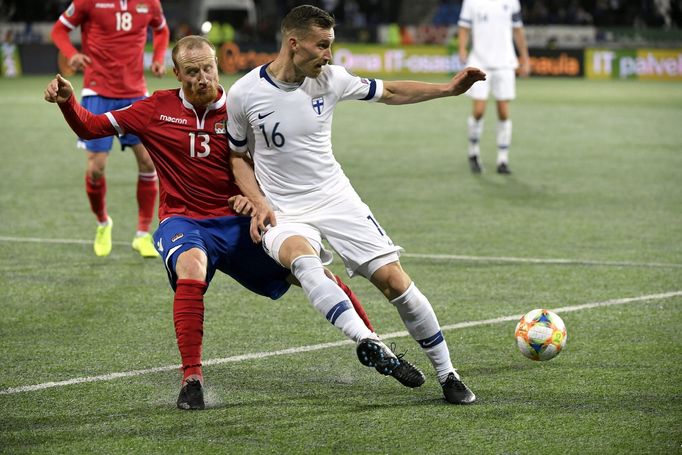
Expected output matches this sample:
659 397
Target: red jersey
114 33
189 149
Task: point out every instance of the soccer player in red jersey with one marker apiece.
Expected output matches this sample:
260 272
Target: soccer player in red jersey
199 232
114 33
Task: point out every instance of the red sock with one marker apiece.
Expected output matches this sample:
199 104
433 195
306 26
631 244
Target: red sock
97 192
147 189
356 303
188 317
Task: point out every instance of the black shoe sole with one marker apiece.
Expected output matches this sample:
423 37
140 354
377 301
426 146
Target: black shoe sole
371 354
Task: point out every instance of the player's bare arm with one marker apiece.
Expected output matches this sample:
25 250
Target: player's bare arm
262 215
408 92
59 90
463 34
521 44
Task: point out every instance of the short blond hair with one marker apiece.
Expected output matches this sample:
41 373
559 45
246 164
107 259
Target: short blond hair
189 42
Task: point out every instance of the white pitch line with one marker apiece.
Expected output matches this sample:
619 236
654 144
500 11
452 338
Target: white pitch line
318 347
453 257
58 241
445 257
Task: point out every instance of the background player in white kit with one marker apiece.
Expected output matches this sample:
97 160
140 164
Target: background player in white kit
282 113
494 26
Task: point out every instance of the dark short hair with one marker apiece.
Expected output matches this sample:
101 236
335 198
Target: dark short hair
303 18
189 42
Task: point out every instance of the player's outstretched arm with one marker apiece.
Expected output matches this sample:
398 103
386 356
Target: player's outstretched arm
85 124
408 92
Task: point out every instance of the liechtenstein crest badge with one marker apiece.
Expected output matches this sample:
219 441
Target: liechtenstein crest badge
220 127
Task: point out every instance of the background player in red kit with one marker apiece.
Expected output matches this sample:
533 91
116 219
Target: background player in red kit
114 34
199 232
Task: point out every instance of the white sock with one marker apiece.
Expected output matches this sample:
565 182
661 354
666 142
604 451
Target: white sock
475 132
328 298
504 135
106 223
417 314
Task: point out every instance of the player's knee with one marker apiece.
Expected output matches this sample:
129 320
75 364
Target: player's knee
293 248
146 166
95 173
191 265
96 167
145 163
391 280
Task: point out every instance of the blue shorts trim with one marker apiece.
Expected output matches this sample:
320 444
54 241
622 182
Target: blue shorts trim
228 246
99 105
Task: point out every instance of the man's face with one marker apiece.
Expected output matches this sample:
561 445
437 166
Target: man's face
313 51
198 72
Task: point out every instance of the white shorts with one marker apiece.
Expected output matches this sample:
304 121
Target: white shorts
502 82
350 228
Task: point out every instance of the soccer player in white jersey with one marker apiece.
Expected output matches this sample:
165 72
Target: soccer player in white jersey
494 26
282 114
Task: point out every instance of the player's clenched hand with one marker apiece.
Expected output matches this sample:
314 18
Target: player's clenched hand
79 61
59 90
261 219
158 69
241 205
463 80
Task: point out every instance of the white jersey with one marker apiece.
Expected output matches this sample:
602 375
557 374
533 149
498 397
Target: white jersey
288 133
491 23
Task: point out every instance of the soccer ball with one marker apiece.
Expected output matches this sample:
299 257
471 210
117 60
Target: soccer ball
540 335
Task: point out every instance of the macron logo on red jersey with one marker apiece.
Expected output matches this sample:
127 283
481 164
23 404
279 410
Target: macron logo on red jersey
179 121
